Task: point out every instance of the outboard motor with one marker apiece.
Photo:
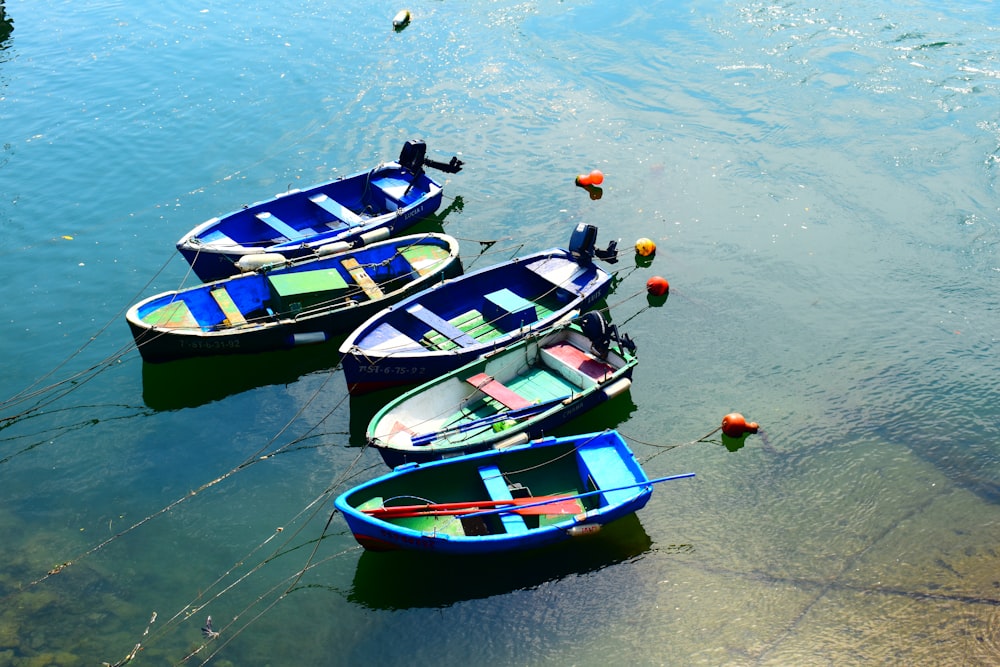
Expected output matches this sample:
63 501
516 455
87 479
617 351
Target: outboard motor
601 334
583 246
412 155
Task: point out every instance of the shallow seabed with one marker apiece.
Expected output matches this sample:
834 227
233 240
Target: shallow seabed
821 186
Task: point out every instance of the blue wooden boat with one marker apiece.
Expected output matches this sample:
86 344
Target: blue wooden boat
291 302
455 322
522 497
364 207
509 396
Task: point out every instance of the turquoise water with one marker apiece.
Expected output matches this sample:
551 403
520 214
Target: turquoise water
821 185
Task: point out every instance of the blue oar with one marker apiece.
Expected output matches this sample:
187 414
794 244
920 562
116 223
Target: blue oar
527 411
556 499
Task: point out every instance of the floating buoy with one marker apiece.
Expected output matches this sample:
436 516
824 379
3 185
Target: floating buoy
402 19
593 178
735 425
645 247
657 286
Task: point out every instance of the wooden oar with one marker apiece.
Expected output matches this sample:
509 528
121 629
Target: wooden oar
559 505
584 495
471 508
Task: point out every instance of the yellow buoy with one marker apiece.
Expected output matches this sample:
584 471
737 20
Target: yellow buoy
645 247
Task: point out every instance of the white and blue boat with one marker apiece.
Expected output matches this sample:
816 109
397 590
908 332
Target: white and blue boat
455 322
362 208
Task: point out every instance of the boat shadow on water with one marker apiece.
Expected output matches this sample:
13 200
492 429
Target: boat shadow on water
404 580
189 383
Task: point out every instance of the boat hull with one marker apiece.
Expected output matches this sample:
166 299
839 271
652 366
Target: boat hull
298 303
585 471
395 347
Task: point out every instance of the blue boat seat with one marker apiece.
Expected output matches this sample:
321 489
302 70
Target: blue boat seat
280 226
336 209
441 325
607 470
496 487
507 310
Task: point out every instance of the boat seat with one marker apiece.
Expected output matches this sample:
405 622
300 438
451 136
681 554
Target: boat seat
607 470
280 226
228 307
579 367
498 391
508 311
362 278
336 209
496 487
441 325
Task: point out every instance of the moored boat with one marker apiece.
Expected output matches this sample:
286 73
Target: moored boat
459 320
509 396
527 496
361 208
289 303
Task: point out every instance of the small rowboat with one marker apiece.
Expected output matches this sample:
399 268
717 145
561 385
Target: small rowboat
290 303
364 207
457 321
507 397
523 497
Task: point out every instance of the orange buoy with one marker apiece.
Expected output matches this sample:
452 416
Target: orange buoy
593 178
657 286
645 247
735 425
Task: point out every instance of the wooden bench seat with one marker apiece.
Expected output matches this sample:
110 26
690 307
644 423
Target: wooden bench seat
362 278
498 391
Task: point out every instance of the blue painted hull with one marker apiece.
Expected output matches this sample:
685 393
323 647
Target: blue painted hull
364 207
547 378
403 344
295 303
587 470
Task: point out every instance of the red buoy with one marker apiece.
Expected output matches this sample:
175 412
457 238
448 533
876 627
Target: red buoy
593 178
735 425
657 286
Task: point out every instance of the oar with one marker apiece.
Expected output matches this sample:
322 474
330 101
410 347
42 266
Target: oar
462 504
519 505
583 495
461 427
557 505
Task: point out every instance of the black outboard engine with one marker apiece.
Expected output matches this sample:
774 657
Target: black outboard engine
412 155
583 246
601 334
